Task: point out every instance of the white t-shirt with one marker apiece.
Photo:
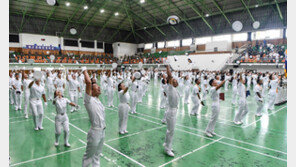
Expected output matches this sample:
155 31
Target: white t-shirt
18 84
173 96
258 89
61 105
59 82
36 91
95 110
273 85
73 84
242 91
26 83
123 98
215 96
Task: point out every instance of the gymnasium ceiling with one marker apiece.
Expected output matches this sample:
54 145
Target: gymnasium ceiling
142 22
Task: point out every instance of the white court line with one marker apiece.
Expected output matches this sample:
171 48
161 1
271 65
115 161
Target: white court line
176 159
17 117
20 121
261 117
217 135
135 133
107 145
267 155
52 155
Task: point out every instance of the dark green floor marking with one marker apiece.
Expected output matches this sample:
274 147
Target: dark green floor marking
256 143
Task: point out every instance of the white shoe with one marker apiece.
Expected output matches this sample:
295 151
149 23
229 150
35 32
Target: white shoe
125 131
238 122
209 134
213 133
163 121
56 144
193 114
26 116
41 128
122 133
170 153
258 115
67 145
36 129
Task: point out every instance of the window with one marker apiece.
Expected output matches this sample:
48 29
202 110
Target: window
202 40
100 45
222 38
268 34
148 45
187 42
69 42
175 43
87 44
160 44
14 38
240 37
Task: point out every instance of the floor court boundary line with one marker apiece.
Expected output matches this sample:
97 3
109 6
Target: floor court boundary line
108 146
193 151
26 120
218 136
267 115
48 156
250 150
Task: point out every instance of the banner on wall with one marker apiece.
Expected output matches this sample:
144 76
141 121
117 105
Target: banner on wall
42 47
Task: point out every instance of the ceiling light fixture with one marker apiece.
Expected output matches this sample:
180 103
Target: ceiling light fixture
207 15
116 14
256 6
102 10
85 7
142 1
67 3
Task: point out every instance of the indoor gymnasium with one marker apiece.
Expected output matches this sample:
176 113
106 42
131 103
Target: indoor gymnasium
154 83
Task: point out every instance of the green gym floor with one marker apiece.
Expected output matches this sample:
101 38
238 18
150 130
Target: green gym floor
258 142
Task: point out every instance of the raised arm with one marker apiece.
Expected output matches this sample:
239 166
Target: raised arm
169 75
31 84
220 85
87 81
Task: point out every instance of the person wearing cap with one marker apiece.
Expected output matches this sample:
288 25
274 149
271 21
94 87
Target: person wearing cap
258 97
242 102
26 82
17 85
196 99
123 107
214 93
96 113
273 88
171 113
74 88
36 92
110 89
50 85
80 79
61 118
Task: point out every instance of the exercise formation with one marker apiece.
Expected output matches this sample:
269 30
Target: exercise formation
30 92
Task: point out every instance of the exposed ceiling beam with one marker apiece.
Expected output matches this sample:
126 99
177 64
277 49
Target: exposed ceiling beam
50 14
129 18
23 20
243 2
72 16
279 10
217 5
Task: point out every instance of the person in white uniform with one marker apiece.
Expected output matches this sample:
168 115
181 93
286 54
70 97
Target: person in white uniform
187 89
123 107
258 97
11 90
60 83
242 102
214 92
74 89
96 113
163 101
36 92
61 118
26 82
50 86
110 90
171 115
273 85
195 97
133 94
17 85
234 89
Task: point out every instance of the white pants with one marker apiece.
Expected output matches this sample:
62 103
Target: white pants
95 142
110 96
242 111
163 100
204 94
272 98
37 110
171 116
73 97
139 93
226 85
134 100
214 117
18 100
259 107
27 96
234 95
187 89
50 92
11 96
195 102
181 90
123 109
62 121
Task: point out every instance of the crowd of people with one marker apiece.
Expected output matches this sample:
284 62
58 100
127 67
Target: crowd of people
263 53
131 86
